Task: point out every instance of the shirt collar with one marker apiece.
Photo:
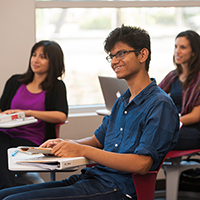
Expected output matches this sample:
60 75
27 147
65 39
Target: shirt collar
143 94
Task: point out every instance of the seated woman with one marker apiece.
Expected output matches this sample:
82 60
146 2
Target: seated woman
37 93
183 85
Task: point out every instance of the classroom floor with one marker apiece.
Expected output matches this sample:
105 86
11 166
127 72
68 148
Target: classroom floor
182 196
184 192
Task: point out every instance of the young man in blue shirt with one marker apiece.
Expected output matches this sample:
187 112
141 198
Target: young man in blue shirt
142 128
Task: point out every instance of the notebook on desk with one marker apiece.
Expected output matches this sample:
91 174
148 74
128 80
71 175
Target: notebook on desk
15 120
18 122
39 162
55 163
112 88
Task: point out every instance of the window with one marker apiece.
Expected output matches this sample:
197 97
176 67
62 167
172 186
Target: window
81 28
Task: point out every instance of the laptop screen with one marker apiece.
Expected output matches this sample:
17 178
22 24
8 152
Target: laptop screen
112 88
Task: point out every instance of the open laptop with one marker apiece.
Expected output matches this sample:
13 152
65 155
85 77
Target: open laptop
112 88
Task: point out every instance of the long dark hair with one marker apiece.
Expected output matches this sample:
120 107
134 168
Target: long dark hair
53 51
194 62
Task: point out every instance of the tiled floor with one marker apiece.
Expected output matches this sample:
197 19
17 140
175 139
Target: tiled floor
182 196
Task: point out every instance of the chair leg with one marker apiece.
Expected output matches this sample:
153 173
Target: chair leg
172 182
172 177
52 176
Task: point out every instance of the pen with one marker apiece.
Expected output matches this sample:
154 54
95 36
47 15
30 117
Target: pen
15 152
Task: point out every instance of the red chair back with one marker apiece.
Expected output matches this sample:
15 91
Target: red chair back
145 184
179 153
57 128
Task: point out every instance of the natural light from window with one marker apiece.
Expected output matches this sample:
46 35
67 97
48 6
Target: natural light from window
81 33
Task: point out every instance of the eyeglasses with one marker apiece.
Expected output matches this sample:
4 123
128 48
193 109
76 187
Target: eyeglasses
119 55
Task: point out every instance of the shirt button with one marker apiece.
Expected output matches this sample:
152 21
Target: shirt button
125 112
121 129
116 145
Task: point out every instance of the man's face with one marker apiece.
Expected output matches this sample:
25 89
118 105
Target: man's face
129 65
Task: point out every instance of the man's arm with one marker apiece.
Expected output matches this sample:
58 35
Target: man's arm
92 149
91 141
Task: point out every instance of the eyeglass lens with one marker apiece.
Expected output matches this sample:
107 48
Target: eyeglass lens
119 55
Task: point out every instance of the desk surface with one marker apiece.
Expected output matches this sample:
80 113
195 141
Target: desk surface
66 164
103 112
13 166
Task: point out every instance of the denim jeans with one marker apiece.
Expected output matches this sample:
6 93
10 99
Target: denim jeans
73 188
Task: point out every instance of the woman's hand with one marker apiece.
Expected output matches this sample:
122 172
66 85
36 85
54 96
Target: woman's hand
46 116
192 117
11 111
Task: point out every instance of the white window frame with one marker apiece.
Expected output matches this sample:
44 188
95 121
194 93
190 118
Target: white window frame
91 109
114 4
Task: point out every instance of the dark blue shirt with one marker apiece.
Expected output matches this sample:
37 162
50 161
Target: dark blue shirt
176 93
148 125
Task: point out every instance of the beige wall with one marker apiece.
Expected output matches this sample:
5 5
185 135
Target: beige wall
17 35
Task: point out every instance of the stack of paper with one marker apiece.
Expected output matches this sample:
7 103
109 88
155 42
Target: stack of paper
55 163
33 150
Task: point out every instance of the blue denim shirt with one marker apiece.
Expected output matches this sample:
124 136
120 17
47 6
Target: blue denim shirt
148 125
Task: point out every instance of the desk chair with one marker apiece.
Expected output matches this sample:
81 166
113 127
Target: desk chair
57 128
25 178
145 184
173 166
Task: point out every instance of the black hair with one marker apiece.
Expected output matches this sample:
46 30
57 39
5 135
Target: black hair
134 37
53 51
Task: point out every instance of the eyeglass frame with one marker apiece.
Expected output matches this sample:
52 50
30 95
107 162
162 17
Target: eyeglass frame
110 57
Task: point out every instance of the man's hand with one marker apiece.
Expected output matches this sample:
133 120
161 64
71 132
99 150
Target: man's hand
68 148
51 143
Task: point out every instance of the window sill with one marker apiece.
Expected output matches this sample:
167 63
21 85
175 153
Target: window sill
82 111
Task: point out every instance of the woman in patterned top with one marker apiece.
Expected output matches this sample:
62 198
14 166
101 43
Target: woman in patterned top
183 85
